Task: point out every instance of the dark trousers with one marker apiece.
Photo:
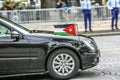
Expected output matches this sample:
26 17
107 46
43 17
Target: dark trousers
87 17
115 12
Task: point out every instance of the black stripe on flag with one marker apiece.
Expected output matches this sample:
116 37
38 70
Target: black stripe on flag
62 26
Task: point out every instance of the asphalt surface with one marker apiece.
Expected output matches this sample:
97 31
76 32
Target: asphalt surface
109 66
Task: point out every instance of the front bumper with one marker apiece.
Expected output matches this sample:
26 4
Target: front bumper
90 59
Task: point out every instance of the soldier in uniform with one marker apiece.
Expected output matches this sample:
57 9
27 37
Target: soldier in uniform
114 6
86 5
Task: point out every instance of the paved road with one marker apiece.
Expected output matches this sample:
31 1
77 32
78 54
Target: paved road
109 66
107 69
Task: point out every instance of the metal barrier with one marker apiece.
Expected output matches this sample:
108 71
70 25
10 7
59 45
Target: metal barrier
73 14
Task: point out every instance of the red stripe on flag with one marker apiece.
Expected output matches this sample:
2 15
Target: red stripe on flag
71 29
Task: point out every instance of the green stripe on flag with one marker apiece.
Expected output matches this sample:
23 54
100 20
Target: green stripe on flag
62 34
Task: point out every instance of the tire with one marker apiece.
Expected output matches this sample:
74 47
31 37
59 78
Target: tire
63 64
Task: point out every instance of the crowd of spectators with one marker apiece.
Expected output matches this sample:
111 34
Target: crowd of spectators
7 7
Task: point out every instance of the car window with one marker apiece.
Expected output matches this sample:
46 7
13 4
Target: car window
17 25
4 32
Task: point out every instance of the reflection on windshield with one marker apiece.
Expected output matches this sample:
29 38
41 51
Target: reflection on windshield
17 25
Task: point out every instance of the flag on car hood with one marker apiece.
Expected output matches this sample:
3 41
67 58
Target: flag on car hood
65 30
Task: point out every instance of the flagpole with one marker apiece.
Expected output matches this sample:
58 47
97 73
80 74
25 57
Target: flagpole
77 31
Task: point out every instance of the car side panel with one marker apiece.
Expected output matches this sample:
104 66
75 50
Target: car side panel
14 55
39 48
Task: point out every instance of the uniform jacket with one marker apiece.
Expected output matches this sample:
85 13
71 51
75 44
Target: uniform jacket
113 4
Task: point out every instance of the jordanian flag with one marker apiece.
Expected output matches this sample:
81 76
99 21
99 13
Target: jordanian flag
65 30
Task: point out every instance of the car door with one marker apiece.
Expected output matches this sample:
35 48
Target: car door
14 55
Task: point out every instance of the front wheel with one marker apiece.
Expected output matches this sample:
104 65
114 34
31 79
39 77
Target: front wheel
63 64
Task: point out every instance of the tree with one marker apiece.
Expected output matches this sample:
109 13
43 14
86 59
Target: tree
48 3
52 3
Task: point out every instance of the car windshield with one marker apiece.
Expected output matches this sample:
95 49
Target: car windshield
17 25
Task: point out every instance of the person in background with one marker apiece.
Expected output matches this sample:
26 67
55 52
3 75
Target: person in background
64 5
114 5
86 5
98 10
4 14
64 12
9 7
59 10
23 7
59 4
15 14
24 14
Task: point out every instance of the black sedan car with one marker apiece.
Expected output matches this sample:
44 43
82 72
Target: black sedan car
23 52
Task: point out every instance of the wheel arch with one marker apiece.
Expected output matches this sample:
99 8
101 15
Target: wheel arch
69 48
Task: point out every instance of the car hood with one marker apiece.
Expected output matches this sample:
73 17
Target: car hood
52 36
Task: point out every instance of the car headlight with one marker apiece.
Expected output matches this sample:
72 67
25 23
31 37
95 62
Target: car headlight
88 43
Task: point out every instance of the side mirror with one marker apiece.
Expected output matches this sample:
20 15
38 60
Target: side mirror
15 35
